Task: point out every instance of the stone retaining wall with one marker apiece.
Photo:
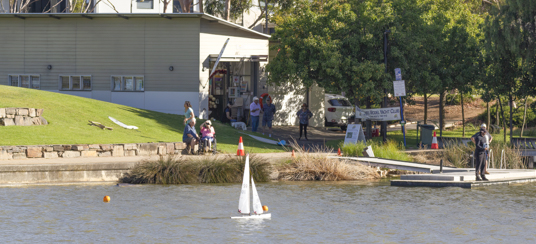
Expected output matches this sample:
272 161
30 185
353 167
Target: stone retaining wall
21 116
91 150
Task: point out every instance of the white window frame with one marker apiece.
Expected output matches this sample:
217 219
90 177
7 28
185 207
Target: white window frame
71 88
19 80
122 85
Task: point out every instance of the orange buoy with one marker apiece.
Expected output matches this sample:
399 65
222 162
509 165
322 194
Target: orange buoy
293 155
106 199
265 208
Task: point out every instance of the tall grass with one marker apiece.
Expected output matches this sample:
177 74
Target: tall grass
179 170
459 155
316 165
390 150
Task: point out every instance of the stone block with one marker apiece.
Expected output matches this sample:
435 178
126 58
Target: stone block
10 116
58 148
28 121
130 153
2 112
51 155
131 146
43 121
4 155
22 111
39 112
94 146
19 120
105 154
162 150
147 149
79 147
71 154
16 149
67 147
19 155
8 122
36 121
106 147
34 152
48 149
118 151
89 153
170 148
31 112
11 111
180 145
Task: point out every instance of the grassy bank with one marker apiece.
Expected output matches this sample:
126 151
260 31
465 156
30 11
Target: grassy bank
68 123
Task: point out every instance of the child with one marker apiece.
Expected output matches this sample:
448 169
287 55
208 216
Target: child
207 132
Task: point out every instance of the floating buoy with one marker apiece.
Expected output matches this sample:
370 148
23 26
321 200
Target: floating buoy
265 208
106 199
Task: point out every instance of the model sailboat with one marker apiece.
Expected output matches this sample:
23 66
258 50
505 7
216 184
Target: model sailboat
244 201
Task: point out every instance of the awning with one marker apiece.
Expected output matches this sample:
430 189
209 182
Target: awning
253 58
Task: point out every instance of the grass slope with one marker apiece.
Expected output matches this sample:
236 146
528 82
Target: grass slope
68 123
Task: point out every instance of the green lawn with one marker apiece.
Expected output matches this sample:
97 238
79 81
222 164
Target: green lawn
68 123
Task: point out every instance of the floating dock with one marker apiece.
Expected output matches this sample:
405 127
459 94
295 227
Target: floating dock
437 176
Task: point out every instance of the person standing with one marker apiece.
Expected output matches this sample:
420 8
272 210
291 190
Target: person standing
480 158
190 136
304 115
188 112
268 112
488 140
254 112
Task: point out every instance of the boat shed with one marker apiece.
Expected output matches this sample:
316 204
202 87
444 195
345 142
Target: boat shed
149 61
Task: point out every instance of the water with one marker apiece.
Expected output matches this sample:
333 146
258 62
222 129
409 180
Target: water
302 212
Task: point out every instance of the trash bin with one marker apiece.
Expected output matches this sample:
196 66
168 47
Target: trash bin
427 132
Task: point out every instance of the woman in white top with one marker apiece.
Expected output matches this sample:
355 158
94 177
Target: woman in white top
188 112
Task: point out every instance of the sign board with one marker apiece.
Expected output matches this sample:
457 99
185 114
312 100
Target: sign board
378 114
236 80
398 74
354 134
400 88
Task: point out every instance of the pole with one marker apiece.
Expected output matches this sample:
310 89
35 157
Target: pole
384 105
402 117
266 10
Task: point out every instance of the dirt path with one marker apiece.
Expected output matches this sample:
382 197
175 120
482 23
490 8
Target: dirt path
452 112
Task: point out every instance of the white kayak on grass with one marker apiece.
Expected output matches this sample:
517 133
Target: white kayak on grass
130 127
244 200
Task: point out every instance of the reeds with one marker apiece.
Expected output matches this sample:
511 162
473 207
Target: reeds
179 170
459 155
389 150
316 165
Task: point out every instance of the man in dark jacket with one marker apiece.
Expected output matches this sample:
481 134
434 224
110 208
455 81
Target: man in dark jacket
481 146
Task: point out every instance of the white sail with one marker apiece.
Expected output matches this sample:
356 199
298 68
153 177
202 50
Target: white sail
243 203
257 206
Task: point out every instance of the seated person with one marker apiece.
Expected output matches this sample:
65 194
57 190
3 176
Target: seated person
190 136
207 132
227 114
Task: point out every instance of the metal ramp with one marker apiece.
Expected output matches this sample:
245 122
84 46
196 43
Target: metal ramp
397 164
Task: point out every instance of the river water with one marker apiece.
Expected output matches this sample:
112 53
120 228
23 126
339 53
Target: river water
302 212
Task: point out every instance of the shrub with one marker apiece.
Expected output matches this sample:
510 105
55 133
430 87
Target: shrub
390 150
517 118
454 99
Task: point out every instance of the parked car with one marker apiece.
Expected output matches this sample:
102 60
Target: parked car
338 110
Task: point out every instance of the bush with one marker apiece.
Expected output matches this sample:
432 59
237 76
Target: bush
390 150
517 119
454 99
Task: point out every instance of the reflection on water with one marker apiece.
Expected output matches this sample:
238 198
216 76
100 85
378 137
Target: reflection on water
326 212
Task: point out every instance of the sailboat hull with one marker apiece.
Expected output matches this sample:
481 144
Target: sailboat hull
254 216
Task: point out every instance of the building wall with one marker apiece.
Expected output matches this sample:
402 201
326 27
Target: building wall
212 39
102 47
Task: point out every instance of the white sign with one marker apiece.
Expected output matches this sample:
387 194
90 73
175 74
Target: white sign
378 114
354 134
398 74
400 88
236 80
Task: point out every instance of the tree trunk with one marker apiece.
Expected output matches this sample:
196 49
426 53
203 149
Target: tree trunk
504 121
441 113
227 9
201 9
425 108
165 4
511 113
524 118
497 119
489 115
463 116
368 122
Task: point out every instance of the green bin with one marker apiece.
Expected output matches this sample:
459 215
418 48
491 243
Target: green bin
427 133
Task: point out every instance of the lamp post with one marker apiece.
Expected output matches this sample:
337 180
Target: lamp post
384 105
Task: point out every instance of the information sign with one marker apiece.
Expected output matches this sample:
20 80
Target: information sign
354 134
400 88
398 74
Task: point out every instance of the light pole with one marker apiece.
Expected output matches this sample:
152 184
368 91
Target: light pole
384 105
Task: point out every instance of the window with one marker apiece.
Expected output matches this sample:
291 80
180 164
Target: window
145 4
128 83
339 102
27 81
75 82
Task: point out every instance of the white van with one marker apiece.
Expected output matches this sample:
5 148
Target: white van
338 110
